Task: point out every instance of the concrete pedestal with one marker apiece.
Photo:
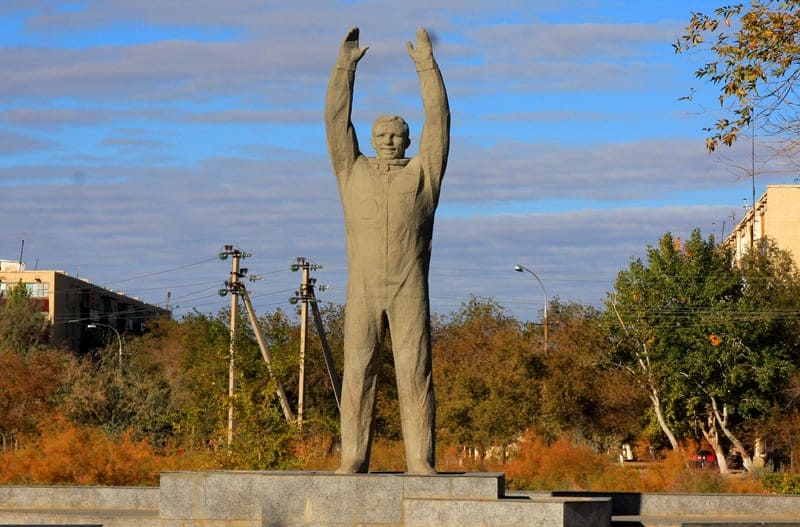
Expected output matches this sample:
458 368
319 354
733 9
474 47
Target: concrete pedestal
323 499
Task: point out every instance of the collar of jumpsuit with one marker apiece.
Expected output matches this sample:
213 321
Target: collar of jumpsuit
385 165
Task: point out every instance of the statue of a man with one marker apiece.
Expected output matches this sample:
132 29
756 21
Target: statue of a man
389 203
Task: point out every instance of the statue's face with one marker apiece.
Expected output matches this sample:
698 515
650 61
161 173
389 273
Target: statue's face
389 140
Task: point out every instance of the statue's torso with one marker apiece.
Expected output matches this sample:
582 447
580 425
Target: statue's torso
388 213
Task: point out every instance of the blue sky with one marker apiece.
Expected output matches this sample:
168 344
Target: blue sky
138 138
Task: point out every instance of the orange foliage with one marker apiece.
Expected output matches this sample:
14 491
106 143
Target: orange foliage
64 453
387 456
67 454
28 389
560 465
316 452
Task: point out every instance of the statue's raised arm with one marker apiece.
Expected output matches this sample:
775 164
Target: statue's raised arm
434 143
342 142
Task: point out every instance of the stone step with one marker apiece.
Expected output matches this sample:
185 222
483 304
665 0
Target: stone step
79 517
67 497
702 521
543 512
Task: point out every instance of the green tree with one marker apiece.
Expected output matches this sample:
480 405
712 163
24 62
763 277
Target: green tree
262 436
747 361
23 326
755 61
713 344
653 316
129 395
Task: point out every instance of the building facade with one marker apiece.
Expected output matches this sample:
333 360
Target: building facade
83 315
775 215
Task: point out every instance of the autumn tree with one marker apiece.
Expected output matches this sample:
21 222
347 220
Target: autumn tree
32 389
755 62
583 397
31 385
486 376
713 343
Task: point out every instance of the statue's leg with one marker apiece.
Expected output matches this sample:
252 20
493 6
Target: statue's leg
363 337
409 323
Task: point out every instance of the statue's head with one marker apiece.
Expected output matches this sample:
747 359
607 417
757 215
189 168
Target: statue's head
390 137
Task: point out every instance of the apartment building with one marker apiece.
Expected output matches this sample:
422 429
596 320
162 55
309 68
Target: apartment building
83 315
775 215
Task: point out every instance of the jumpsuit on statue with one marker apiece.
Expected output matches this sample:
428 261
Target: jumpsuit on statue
389 207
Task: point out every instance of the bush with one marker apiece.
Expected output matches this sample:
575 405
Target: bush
561 465
781 483
66 454
564 465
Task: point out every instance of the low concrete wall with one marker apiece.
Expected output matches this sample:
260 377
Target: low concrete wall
684 504
82 498
263 499
80 506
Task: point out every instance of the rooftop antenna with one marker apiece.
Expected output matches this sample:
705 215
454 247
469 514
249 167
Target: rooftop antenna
21 249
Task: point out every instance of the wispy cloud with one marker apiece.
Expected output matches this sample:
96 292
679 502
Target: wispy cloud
137 137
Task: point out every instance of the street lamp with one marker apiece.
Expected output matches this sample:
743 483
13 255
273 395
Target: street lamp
94 325
519 268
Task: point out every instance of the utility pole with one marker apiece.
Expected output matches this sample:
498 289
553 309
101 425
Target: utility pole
306 296
236 287
233 288
303 265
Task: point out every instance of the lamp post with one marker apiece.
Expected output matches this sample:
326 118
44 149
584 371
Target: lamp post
520 268
94 325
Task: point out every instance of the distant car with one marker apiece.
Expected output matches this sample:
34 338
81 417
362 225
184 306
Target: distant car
703 459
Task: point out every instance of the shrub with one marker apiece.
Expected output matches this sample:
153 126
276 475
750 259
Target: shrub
561 465
66 454
781 483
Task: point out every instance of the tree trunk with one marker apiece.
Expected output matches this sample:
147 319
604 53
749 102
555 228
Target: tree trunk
759 453
660 417
712 436
722 419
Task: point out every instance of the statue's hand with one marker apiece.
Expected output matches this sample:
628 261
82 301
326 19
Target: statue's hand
350 53
423 53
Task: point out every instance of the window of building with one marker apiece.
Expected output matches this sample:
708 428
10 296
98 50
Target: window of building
35 289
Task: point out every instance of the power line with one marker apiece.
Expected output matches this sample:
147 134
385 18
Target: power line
160 272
